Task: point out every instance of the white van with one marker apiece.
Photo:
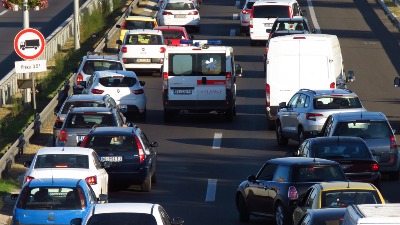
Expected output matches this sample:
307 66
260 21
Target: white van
372 214
264 14
311 61
200 78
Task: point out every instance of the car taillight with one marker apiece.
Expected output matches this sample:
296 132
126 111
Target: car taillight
292 193
124 49
392 158
228 77
84 142
138 92
91 180
97 91
165 82
63 136
162 50
193 13
79 78
28 178
167 13
140 148
58 123
393 142
82 200
246 11
267 95
375 167
332 85
313 116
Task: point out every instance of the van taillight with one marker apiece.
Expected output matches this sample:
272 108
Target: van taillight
162 50
313 116
91 180
124 49
79 78
332 85
228 77
267 95
140 148
292 193
123 25
251 17
165 82
97 91
84 142
393 142
167 13
375 167
63 136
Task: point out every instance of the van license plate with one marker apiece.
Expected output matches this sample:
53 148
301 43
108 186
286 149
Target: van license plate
183 92
111 158
143 60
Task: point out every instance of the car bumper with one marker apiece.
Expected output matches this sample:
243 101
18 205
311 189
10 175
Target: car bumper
198 105
143 66
194 22
128 177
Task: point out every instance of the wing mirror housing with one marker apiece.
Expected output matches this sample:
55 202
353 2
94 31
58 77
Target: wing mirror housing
396 82
268 30
239 70
251 178
315 133
119 42
27 164
102 198
154 144
191 37
304 13
142 83
350 76
106 164
290 154
118 26
282 105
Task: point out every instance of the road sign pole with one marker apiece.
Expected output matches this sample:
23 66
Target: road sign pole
25 19
76 25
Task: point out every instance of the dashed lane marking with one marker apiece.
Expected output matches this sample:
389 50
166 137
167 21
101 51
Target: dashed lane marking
217 141
235 16
211 190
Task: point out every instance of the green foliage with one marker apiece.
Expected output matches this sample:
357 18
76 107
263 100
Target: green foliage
96 20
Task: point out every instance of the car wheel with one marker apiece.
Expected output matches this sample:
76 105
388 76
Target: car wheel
282 140
301 135
244 215
394 175
146 185
281 217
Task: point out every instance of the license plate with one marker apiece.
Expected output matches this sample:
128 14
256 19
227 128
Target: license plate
123 106
80 138
183 92
180 16
111 158
143 60
267 24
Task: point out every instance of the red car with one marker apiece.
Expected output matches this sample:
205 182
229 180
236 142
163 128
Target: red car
174 34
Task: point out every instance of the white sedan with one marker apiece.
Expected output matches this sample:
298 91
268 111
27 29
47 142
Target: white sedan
69 162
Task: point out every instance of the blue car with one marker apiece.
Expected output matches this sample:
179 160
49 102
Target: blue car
53 201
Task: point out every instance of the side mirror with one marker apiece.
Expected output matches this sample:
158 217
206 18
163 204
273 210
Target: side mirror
79 143
373 152
106 164
313 30
27 164
251 178
102 198
396 82
118 26
123 110
142 83
154 144
177 221
76 221
282 105
14 196
239 70
304 13
118 42
350 76
83 83
129 124
394 131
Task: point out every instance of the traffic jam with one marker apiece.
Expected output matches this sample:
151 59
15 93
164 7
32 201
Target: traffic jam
189 125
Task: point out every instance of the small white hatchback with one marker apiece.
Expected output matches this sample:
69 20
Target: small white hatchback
179 13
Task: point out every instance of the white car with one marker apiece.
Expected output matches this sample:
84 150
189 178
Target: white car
69 162
124 87
179 13
121 213
142 50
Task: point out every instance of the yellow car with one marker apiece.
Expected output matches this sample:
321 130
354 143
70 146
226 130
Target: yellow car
337 195
136 22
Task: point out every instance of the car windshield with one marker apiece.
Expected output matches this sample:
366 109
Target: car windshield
327 150
337 103
105 143
99 65
122 218
179 6
117 81
344 198
62 161
89 120
289 26
318 173
49 198
364 129
67 105
143 39
271 11
134 24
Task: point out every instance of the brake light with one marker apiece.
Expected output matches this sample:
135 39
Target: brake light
63 136
393 142
138 92
313 116
162 50
292 193
228 77
140 148
82 198
193 13
83 144
28 178
267 95
375 167
165 81
123 25
91 180
246 11
124 49
167 13
97 91
79 78
124 60
332 85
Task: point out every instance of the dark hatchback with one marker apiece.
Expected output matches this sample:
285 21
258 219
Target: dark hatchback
133 159
352 153
280 183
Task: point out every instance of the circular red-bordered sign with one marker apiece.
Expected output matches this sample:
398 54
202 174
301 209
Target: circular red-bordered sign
29 43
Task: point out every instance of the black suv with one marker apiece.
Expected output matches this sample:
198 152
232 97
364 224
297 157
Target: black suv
280 183
133 159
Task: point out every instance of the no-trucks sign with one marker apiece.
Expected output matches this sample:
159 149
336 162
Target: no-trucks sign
29 43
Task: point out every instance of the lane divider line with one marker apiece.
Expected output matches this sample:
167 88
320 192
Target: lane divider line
211 190
235 16
313 17
217 140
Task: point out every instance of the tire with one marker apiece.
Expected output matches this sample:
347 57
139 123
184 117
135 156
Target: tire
244 215
301 135
394 175
281 216
146 185
282 140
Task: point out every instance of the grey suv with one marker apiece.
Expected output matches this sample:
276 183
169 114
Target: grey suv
376 131
308 109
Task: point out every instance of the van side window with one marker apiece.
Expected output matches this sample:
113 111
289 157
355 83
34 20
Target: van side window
182 65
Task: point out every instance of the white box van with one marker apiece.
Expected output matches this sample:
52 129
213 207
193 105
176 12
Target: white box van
372 214
311 61
264 14
200 79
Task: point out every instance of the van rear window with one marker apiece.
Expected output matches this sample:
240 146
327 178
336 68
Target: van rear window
271 11
197 64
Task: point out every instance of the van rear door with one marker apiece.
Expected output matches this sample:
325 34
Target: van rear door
211 79
182 77
264 17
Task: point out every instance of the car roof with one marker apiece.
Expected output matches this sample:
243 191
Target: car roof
144 31
90 109
274 2
362 115
53 182
146 208
64 150
294 19
86 97
102 58
293 161
113 130
339 185
329 92
170 28
140 18
338 139
125 73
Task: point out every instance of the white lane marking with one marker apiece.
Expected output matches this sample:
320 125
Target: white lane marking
237 3
4 12
313 17
217 140
235 16
211 190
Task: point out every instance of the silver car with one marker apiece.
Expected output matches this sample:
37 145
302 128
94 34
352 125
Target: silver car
376 131
245 16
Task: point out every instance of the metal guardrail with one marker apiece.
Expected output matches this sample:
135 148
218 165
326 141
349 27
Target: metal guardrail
8 84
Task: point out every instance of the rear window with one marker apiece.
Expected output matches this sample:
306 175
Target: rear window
341 150
106 143
197 64
271 11
122 218
117 81
364 129
143 39
344 198
49 198
337 103
62 161
92 65
318 173
173 34
179 6
68 105
133 24
89 120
